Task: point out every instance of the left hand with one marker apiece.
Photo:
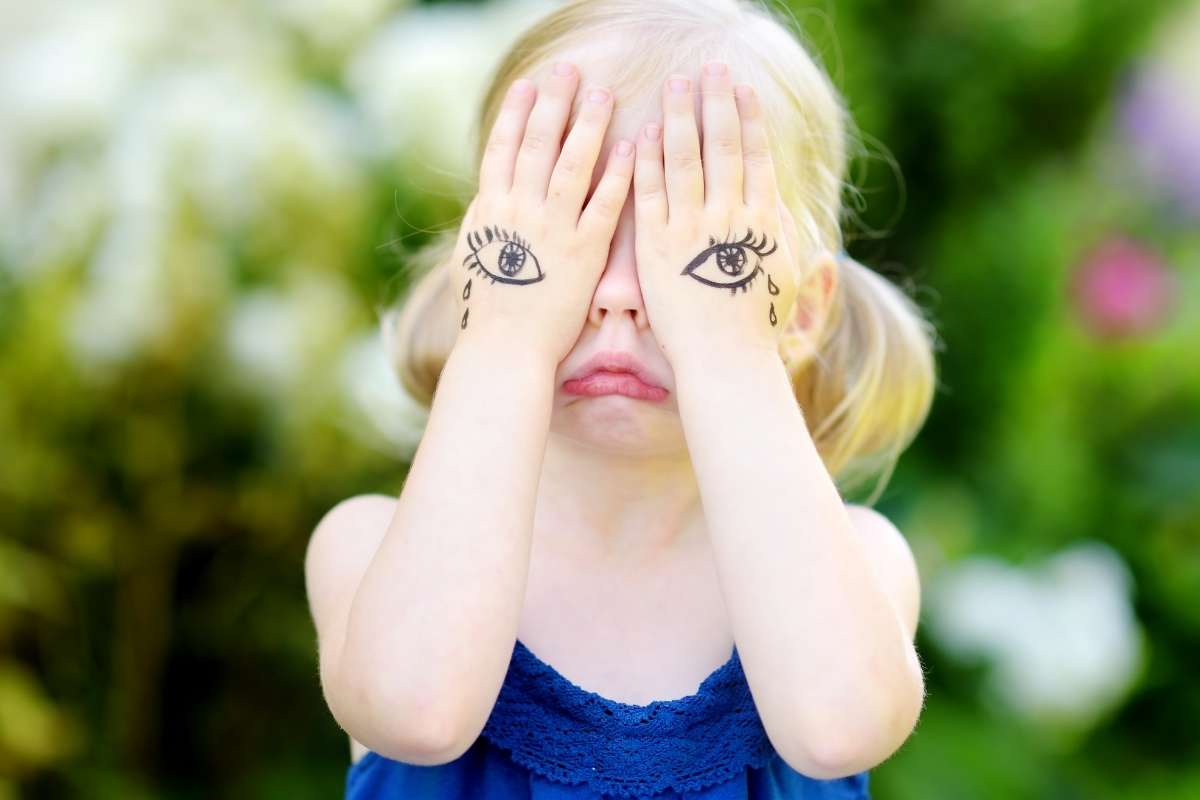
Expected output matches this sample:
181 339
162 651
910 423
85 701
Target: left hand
716 253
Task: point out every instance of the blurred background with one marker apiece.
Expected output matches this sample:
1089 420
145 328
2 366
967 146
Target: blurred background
204 205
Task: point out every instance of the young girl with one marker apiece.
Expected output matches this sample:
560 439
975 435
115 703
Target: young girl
620 565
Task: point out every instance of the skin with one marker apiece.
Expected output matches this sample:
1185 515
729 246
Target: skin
672 528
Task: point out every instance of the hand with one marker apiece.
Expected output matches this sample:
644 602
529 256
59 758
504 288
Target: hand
528 256
716 261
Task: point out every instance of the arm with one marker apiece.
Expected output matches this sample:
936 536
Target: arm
829 658
414 655
827 655
430 629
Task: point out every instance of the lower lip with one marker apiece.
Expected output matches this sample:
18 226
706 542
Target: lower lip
625 383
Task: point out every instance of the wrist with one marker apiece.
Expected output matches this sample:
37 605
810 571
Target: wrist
504 357
723 360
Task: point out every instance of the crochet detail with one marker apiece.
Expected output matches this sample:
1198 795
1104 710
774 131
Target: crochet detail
568 734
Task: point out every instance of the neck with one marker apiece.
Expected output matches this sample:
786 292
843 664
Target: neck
621 508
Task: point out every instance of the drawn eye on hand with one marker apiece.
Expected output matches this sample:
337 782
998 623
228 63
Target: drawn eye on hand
725 264
502 256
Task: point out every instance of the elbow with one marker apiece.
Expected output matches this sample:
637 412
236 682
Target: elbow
414 728
838 749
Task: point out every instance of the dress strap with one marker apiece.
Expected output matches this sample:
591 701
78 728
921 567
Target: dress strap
571 735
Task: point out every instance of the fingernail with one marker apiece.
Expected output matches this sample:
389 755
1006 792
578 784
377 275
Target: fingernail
624 148
653 132
716 68
563 68
743 92
679 84
520 87
598 95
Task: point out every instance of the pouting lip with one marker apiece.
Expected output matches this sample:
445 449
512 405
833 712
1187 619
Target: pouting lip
615 361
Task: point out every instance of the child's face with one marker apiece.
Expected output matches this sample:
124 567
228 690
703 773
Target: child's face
617 318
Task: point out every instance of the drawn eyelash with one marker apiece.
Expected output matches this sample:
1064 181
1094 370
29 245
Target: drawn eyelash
477 242
748 242
731 259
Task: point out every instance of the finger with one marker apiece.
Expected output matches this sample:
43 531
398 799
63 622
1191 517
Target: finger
543 133
604 208
722 138
759 189
681 147
649 186
496 169
572 175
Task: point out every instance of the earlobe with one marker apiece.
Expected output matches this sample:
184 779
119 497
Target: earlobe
810 308
815 295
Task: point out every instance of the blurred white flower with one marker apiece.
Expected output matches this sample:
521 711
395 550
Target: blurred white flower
124 304
64 66
330 25
276 338
60 216
419 80
373 390
1062 637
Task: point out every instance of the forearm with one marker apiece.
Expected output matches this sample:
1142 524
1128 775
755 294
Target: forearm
826 655
431 627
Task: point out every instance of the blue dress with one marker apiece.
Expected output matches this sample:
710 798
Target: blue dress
549 739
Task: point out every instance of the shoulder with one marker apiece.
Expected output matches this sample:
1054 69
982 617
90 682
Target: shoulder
341 547
339 551
351 529
892 559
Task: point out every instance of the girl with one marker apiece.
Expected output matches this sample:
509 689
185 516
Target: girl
620 565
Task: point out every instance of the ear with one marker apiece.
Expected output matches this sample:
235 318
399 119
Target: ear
814 297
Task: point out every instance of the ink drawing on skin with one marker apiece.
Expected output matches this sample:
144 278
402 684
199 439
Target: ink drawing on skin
731 259
586 581
506 255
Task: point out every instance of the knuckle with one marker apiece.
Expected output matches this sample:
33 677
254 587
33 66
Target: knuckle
685 161
725 144
570 165
758 156
607 203
650 192
497 145
535 142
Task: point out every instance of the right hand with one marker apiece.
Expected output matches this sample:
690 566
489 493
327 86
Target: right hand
529 256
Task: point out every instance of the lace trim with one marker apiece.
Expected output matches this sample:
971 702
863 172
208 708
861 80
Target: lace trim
568 734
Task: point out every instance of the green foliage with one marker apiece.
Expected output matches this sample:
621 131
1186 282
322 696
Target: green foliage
190 266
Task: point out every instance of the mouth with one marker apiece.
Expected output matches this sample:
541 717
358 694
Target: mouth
614 372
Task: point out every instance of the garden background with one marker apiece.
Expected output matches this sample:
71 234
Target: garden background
204 205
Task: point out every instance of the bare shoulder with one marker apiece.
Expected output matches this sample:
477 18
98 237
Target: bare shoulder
341 547
892 559
339 551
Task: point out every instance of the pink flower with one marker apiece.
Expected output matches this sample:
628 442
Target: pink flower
1121 289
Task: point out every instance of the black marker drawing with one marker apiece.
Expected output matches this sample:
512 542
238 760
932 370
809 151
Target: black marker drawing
512 256
773 289
731 259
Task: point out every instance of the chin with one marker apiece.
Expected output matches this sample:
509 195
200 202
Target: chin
619 424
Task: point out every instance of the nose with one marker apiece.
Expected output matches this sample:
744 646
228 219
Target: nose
618 292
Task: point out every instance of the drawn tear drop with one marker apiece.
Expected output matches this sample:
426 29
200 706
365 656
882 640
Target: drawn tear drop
468 311
774 319
467 290
773 289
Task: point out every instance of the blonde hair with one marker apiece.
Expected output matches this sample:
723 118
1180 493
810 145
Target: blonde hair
868 385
